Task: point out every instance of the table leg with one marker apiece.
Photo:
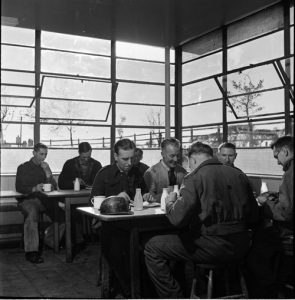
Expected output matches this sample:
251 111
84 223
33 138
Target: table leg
55 228
68 230
134 264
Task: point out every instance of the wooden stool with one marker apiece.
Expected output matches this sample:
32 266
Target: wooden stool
225 268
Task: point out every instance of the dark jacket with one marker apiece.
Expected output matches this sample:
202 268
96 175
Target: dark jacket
215 200
111 181
29 175
71 170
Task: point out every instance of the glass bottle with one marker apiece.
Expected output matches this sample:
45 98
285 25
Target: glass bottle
263 188
77 185
163 199
138 201
176 190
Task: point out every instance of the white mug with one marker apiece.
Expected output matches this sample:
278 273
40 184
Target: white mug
97 200
47 187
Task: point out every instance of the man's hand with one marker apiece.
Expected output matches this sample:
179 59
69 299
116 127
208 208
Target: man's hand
38 188
46 168
148 197
172 197
124 195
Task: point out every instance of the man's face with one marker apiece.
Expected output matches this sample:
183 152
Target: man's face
170 155
40 155
227 156
124 159
137 158
84 157
280 155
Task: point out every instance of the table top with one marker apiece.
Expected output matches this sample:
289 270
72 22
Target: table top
145 213
52 194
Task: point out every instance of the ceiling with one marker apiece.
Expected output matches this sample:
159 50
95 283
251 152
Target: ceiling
153 22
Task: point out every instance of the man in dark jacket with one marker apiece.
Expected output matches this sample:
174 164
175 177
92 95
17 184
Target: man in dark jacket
215 207
30 178
83 167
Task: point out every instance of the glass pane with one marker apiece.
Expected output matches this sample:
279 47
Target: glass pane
141 93
75 43
13 57
255 134
202 113
292 12
16 101
62 136
144 116
9 113
290 63
74 110
203 67
17 90
264 77
137 70
77 64
17 35
17 135
211 135
203 45
57 157
200 91
267 20
68 88
263 103
17 77
12 158
143 137
132 50
172 74
292 40
261 49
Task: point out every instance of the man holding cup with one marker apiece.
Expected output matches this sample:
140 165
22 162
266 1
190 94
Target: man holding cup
32 179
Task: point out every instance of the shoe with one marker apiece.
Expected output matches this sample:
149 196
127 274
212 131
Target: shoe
34 257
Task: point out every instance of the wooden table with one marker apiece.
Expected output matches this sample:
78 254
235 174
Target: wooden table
69 197
149 219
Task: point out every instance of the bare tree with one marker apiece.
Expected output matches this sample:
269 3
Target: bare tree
246 103
154 119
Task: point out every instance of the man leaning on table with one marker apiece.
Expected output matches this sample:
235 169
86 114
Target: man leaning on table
30 179
83 167
214 211
119 179
167 172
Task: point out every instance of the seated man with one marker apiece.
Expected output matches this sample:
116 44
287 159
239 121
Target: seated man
277 224
165 173
30 178
137 161
83 167
227 154
214 209
121 178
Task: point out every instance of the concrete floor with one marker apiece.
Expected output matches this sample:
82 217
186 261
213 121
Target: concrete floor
52 279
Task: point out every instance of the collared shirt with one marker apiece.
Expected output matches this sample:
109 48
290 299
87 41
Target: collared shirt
110 181
29 175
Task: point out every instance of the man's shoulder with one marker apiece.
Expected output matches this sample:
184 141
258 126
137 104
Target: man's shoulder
180 169
107 169
95 162
25 164
71 160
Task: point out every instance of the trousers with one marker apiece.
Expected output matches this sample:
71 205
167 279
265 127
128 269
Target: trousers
161 250
32 209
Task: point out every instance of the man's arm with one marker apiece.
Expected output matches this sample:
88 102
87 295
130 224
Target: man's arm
98 188
179 211
281 208
23 184
65 179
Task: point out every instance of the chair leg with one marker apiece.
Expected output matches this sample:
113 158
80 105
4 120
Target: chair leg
243 285
210 285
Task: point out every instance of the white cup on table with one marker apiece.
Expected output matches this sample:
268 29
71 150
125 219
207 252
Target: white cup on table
97 200
47 187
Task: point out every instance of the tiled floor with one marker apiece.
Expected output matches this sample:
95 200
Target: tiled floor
52 279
